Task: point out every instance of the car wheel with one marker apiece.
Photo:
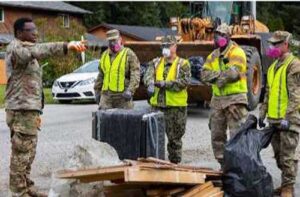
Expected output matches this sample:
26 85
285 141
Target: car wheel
65 101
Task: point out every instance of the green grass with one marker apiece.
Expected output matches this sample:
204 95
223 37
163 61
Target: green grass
47 91
48 96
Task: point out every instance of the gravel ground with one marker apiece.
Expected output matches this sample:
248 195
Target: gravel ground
66 125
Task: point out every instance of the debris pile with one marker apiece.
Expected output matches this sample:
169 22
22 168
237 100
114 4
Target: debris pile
151 177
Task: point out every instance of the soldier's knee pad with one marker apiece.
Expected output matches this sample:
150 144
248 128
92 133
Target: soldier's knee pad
23 143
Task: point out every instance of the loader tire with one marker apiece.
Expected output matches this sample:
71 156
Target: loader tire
254 76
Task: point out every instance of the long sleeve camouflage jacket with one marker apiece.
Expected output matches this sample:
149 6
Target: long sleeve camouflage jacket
177 85
293 83
24 86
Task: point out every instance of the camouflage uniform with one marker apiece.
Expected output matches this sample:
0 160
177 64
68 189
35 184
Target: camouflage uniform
285 143
175 117
227 111
110 99
23 103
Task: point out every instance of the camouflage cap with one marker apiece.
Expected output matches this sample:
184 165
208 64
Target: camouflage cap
112 34
224 29
169 39
280 36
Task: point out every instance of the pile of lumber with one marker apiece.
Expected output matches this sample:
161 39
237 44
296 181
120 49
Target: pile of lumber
151 177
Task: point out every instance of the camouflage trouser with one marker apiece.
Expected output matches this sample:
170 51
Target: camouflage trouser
175 121
284 144
114 101
220 120
23 126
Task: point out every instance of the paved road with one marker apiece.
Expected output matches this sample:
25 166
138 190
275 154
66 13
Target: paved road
66 125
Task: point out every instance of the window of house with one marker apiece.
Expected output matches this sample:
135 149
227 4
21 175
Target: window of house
66 20
1 15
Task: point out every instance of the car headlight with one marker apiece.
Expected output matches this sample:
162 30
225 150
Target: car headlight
87 81
55 84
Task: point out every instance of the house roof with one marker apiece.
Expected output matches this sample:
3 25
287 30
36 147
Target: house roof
46 5
145 33
95 41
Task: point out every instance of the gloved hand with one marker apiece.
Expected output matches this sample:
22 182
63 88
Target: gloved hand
261 123
284 124
150 90
222 80
160 84
78 46
127 95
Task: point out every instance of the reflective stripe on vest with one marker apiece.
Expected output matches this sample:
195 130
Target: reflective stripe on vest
236 57
278 94
172 98
114 74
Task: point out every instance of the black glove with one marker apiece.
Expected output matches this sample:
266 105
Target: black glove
284 124
261 123
127 95
150 90
160 84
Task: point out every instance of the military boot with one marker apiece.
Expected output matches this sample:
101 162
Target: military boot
287 191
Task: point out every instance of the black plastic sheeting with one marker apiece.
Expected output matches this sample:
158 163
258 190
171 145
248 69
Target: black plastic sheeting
196 63
244 172
133 133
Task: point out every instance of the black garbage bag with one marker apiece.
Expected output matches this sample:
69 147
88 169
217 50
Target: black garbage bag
244 173
196 63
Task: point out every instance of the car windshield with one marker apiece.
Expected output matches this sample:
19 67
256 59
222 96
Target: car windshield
89 67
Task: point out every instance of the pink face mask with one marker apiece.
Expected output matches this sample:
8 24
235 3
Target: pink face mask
273 52
115 48
221 42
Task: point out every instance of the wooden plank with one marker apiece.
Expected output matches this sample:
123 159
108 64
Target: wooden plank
136 175
219 194
125 186
208 192
197 189
155 160
91 175
129 192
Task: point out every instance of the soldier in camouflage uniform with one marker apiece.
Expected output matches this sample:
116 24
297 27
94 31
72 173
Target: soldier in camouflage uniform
167 78
225 69
119 74
281 106
23 99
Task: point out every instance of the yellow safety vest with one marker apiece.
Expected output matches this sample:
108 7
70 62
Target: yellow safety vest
278 93
114 73
236 57
173 98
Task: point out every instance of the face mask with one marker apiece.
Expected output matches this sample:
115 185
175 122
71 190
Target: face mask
221 41
115 47
166 52
273 52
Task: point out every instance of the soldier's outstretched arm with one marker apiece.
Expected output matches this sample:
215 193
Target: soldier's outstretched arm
182 80
134 68
29 51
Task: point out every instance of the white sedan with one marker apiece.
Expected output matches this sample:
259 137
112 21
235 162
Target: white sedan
76 85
